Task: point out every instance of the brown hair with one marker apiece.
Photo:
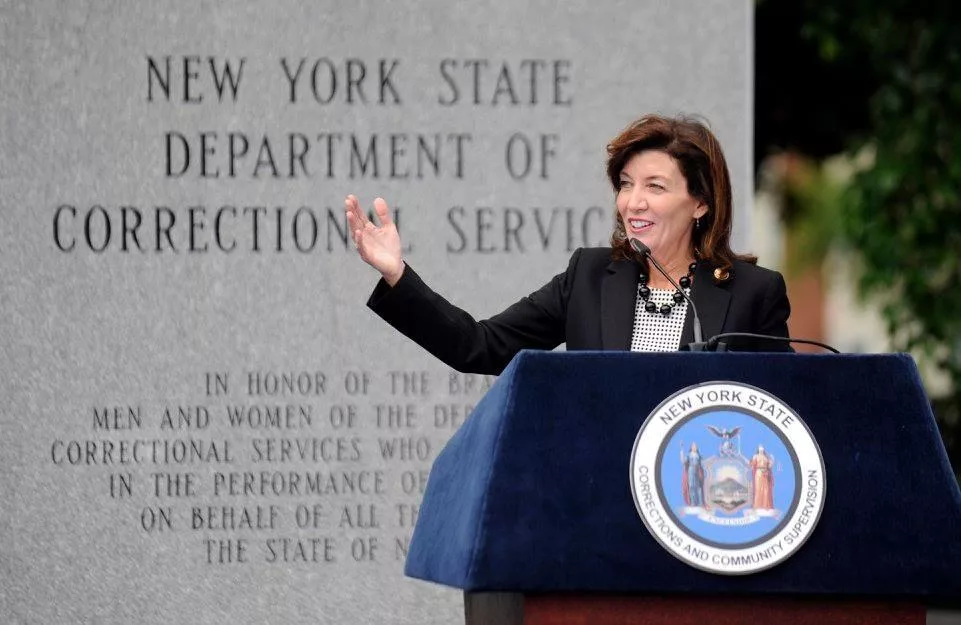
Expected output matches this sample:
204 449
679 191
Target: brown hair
698 155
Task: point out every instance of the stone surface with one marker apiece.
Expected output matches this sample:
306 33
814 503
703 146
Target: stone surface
100 345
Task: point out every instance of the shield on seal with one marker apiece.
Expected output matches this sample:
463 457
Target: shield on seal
728 486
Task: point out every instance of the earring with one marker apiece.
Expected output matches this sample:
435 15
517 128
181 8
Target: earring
697 223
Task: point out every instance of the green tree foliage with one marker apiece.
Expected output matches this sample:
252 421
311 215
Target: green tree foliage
902 213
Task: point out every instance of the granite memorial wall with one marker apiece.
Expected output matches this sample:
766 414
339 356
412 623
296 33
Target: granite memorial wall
200 420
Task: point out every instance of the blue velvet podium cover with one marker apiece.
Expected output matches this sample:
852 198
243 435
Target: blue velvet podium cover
532 494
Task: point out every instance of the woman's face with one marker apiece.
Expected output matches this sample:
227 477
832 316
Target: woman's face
655 206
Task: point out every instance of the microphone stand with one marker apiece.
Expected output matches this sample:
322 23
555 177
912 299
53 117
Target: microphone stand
698 345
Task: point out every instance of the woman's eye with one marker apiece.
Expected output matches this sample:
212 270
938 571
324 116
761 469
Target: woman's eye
623 184
655 186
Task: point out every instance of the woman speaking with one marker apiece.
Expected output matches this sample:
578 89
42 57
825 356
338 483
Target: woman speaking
672 195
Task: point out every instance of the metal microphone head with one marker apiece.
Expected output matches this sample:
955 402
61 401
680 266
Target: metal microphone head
640 248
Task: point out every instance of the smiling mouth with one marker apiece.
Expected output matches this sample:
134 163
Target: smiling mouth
639 225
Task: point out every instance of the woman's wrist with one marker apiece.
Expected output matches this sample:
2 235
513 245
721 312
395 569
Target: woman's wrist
393 277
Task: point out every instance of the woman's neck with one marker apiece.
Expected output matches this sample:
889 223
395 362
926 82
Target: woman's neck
675 268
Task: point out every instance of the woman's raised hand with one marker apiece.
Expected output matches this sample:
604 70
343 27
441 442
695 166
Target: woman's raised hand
379 246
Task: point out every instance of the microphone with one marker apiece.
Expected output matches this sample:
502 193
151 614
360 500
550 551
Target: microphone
645 252
715 343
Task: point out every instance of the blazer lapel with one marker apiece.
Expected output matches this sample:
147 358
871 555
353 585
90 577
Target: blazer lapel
712 303
618 298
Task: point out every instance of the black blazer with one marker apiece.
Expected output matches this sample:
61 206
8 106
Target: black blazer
590 307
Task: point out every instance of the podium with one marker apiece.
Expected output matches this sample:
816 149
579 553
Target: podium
529 507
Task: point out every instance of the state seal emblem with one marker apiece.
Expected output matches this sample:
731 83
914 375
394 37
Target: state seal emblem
727 477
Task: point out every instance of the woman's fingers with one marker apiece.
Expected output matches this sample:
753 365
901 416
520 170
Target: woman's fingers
383 213
359 220
378 245
352 207
355 222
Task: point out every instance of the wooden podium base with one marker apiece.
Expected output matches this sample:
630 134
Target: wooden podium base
517 609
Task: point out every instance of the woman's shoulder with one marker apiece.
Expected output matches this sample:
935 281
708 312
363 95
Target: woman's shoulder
593 255
745 277
594 260
753 272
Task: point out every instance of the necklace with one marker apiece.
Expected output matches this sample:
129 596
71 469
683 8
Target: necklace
644 292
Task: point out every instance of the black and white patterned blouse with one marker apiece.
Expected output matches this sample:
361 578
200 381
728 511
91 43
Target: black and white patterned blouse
654 332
